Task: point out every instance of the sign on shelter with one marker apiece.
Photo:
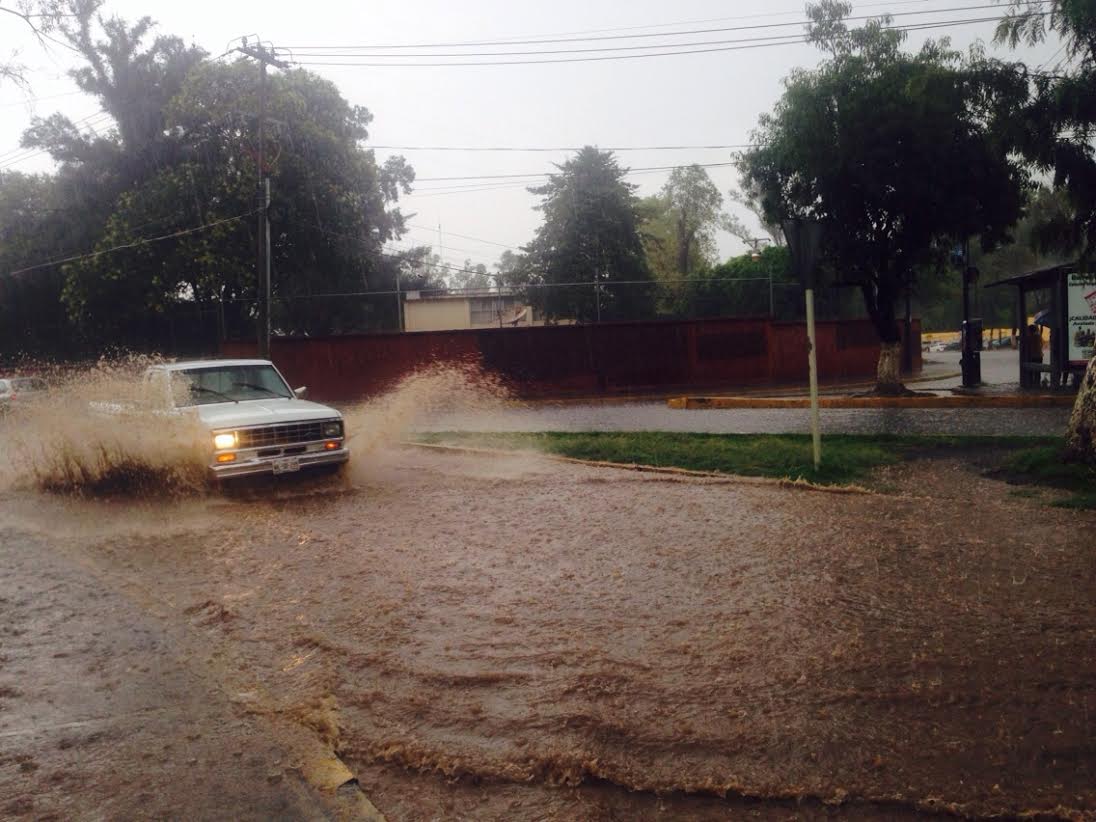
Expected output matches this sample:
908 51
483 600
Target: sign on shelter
1081 328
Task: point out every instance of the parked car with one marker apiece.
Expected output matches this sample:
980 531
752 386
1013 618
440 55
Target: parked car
257 424
12 389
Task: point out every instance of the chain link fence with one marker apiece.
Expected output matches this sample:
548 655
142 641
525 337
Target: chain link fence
565 304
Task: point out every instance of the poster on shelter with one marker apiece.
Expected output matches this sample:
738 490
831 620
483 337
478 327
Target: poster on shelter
1082 318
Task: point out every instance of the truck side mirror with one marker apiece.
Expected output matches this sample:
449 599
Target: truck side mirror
301 393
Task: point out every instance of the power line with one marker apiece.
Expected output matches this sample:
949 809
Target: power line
8 158
467 237
789 40
19 155
733 146
135 244
399 257
541 38
90 122
32 100
470 190
549 173
643 47
543 41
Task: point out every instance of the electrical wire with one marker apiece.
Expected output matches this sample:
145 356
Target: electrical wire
32 100
789 40
9 157
543 38
135 244
551 173
734 146
389 255
687 32
466 237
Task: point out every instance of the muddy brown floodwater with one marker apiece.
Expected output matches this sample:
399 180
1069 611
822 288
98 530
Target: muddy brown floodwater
516 638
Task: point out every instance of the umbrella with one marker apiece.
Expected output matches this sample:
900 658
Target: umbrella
1045 318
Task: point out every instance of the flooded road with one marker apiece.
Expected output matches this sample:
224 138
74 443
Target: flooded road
518 638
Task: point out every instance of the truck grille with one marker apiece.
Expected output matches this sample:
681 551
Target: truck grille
280 434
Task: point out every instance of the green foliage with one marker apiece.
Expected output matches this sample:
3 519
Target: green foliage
34 224
694 207
470 275
590 235
739 287
678 230
891 152
939 295
184 154
1054 130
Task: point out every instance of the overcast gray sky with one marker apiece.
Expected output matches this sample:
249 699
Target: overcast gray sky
699 99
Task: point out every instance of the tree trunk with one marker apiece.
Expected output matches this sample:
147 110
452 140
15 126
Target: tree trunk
888 378
1081 433
879 302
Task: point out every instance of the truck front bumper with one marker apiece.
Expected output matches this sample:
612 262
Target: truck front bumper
245 467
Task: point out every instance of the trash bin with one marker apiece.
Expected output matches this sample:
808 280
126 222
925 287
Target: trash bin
972 357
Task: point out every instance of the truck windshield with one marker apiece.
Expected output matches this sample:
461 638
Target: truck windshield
232 383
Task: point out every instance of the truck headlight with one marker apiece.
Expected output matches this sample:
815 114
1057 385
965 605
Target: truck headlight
333 428
225 440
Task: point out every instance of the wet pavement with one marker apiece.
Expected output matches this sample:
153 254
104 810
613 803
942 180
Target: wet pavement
104 715
654 415
514 638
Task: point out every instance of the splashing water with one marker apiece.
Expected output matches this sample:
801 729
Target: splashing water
386 420
98 429
105 429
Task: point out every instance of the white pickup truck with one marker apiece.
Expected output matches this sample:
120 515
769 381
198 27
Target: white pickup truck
257 424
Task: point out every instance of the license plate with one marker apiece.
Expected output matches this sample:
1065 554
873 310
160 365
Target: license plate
287 465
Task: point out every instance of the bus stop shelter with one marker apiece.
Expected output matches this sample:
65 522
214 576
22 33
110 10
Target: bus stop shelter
1069 296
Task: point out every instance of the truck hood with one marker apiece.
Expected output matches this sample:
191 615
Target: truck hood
262 412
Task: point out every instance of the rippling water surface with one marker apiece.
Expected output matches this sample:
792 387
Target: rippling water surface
515 638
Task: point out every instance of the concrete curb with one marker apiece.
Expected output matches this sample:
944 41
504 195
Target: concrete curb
631 398
1003 401
728 479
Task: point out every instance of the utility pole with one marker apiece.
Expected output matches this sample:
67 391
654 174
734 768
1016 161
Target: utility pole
265 58
756 245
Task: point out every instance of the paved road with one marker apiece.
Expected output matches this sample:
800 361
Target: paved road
655 416
103 715
512 638
998 366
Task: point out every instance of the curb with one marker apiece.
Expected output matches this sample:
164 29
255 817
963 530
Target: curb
727 479
630 398
1005 401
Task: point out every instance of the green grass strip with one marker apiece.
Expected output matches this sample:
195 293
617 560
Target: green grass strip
845 458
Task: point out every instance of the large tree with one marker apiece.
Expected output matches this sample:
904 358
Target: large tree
183 156
330 213
587 261
1056 132
1056 129
892 152
695 210
678 228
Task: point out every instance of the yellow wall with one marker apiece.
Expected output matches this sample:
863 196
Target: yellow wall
436 315
945 337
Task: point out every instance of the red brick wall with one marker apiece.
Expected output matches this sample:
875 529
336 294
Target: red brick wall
612 358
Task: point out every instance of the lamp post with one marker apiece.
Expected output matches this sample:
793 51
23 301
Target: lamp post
804 241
